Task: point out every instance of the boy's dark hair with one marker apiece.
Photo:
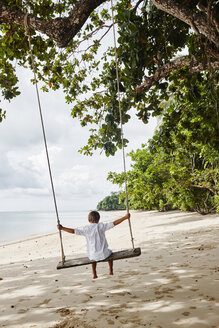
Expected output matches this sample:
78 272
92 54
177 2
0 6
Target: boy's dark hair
93 217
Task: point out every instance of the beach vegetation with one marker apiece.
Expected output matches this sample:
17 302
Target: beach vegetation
178 168
112 202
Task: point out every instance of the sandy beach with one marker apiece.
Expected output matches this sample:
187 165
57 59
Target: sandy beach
173 284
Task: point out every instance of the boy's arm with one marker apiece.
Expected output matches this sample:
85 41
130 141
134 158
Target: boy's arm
60 227
116 222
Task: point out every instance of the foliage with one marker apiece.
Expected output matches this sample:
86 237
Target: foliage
179 168
112 202
147 39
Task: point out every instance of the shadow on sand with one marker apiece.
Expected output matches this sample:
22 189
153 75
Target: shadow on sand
172 285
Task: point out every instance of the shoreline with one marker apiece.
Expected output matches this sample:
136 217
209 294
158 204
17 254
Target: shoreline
172 284
110 213
27 239
19 240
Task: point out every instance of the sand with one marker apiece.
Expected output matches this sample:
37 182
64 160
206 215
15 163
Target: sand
173 284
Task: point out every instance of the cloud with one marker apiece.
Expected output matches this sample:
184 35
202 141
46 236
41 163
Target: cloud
80 181
12 174
39 163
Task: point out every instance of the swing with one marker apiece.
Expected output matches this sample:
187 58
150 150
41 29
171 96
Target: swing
124 254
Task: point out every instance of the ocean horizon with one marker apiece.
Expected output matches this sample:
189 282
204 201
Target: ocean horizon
21 225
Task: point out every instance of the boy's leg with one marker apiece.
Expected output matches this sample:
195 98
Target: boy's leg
110 267
94 265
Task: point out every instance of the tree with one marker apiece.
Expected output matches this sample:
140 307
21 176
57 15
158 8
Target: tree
145 180
112 202
199 15
151 34
179 167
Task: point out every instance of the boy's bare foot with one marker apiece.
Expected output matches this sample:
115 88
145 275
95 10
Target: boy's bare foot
110 267
94 265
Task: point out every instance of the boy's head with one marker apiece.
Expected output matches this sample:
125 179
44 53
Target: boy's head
93 217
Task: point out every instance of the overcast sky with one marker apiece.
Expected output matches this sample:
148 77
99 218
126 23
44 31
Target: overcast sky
80 181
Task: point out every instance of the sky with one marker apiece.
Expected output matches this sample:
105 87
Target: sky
79 181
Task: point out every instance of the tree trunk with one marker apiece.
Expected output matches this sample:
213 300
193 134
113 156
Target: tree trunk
62 30
201 22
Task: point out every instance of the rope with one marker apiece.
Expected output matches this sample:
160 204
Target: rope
121 125
44 133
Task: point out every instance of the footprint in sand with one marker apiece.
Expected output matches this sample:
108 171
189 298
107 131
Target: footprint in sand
117 287
88 299
77 285
85 301
159 257
178 287
216 269
186 314
163 271
119 281
23 299
63 311
21 311
209 298
184 265
121 293
134 297
45 302
159 297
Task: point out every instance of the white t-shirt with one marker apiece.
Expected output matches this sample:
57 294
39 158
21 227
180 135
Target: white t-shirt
97 246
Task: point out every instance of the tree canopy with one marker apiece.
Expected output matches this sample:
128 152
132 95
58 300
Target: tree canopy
162 45
179 166
111 203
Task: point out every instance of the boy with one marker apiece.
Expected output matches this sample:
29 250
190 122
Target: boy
97 246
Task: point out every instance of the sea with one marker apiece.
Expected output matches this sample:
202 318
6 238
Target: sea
16 226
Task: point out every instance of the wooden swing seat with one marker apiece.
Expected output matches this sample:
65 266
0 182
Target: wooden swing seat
114 256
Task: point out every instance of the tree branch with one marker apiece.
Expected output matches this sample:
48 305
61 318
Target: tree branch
213 190
92 34
210 14
137 4
101 38
198 21
62 30
164 71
